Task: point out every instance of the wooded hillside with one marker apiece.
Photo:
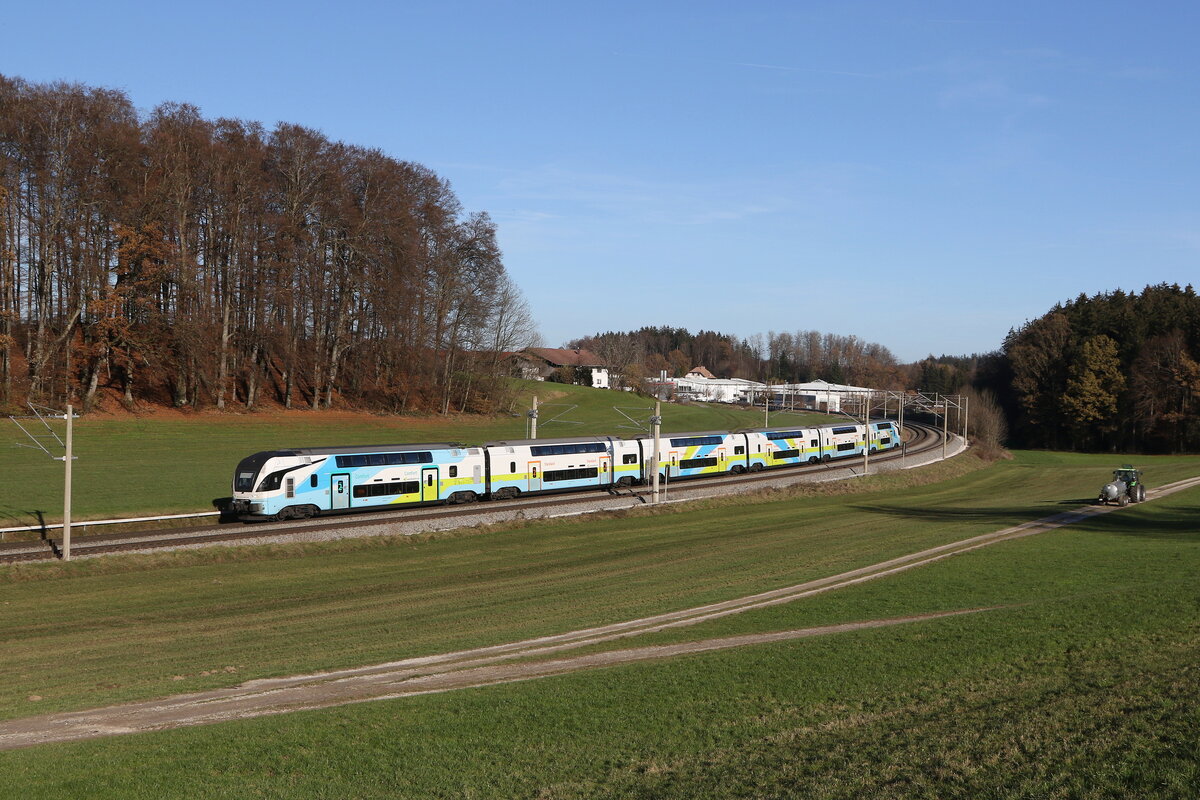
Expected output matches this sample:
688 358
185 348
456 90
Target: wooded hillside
208 262
1112 371
777 357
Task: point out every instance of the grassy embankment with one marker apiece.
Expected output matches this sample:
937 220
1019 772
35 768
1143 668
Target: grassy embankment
175 463
1082 683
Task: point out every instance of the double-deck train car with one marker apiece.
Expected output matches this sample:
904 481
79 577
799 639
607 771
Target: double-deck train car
779 447
305 482
688 455
545 465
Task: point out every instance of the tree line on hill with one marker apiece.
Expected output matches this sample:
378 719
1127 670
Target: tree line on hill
207 262
1115 371
774 358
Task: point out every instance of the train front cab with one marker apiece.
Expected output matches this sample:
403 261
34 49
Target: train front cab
885 435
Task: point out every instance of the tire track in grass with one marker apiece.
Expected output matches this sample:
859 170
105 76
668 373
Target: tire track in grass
483 666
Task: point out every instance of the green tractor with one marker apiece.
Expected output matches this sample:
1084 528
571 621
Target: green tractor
1126 487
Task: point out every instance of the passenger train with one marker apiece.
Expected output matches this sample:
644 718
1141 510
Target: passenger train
305 482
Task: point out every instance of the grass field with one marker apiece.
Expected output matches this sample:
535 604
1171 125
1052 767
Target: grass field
176 463
1083 682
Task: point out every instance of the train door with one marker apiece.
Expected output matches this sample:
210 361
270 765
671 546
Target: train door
535 476
673 468
720 459
605 470
339 491
429 484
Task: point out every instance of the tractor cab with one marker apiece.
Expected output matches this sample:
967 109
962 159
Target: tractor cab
1127 475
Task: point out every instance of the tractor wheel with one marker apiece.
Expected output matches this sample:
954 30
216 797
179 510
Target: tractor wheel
1123 500
1141 491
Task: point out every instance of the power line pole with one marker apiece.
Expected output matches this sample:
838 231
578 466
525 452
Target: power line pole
533 414
945 422
67 459
655 428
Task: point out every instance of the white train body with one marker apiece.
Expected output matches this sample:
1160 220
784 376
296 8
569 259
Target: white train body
305 482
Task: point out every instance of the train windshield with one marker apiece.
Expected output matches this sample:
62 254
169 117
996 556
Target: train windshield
248 468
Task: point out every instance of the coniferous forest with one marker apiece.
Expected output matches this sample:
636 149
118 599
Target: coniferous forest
175 259
1114 371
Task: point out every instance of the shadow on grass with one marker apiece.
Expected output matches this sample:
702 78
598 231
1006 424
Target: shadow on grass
1178 523
46 535
1002 516
1173 523
224 506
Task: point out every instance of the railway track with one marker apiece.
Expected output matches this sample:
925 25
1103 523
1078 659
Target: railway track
923 438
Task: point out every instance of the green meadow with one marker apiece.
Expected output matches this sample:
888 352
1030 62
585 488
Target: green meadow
1081 680
179 463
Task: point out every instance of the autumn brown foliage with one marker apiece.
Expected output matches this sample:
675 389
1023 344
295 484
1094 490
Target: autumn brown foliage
199 262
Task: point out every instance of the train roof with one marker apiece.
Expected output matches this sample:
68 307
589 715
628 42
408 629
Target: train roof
365 448
555 440
683 434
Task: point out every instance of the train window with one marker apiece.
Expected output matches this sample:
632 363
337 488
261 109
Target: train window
696 441
886 440
781 454
566 449
312 481
387 489
740 450
429 479
290 487
579 473
453 472
697 463
245 482
784 434
629 458
814 443
377 460
272 482
512 466
846 446
846 429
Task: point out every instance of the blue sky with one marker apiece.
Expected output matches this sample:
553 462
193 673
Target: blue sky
921 174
